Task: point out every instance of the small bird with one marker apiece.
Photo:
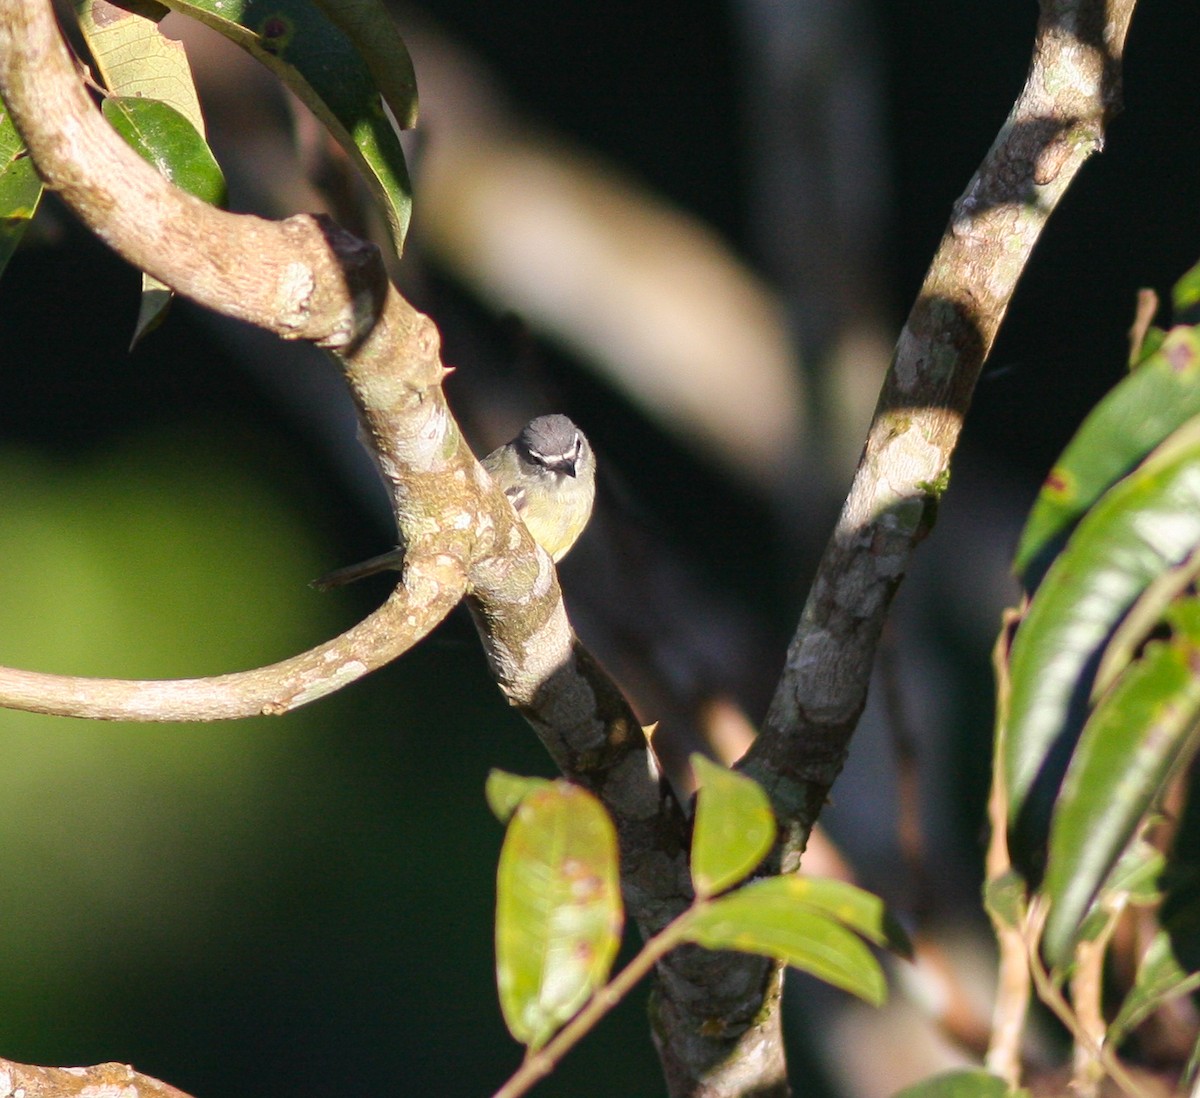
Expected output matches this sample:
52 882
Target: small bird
548 473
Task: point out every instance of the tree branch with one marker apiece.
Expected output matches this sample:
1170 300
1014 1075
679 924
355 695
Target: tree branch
1071 92
305 278
29 1081
313 281
427 594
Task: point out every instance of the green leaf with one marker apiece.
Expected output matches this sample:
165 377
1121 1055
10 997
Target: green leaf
1138 872
964 1083
166 139
1160 977
802 922
1151 342
1004 899
558 909
1144 616
320 64
1133 880
505 791
858 909
162 137
806 941
1144 525
1187 1077
137 61
1185 297
135 58
372 30
20 188
1140 733
1155 399
733 830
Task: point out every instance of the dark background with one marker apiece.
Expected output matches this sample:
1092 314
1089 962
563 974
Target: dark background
304 905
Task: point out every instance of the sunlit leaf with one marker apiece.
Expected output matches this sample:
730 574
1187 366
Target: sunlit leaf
965 1083
1151 342
504 791
1143 617
1138 414
1144 525
803 939
320 64
20 188
134 58
1185 297
1138 872
802 922
733 830
855 907
1142 730
558 909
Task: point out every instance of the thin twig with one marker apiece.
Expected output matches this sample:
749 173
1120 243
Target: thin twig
540 1063
1087 995
1012 976
1050 994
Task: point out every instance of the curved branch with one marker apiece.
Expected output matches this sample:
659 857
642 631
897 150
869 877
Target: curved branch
302 279
310 280
305 278
425 597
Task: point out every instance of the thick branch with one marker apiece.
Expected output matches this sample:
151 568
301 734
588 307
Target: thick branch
306 279
311 281
450 515
1071 92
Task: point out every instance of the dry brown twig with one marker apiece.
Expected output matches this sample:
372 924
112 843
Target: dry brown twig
304 278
